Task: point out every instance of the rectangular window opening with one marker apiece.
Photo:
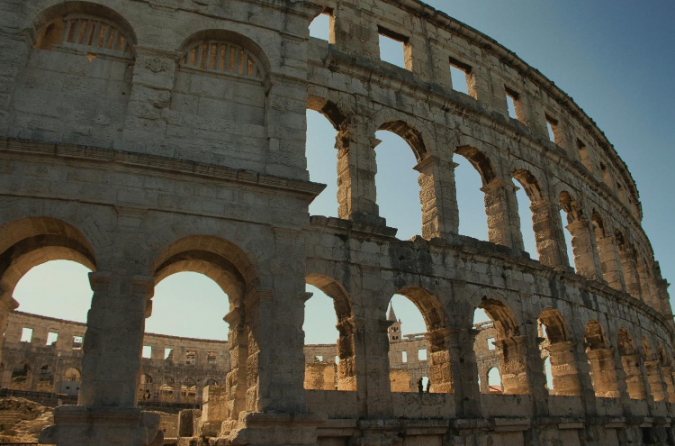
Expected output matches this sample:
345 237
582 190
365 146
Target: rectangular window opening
322 26
462 77
584 155
211 358
77 342
422 354
404 356
52 337
513 104
394 48
168 353
318 358
147 351
491 344
26 334
552 128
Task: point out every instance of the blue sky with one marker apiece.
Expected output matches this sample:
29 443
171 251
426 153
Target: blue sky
614 57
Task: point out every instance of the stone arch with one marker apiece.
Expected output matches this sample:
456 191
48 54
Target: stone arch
531 184
20 378
571 206
628 261
510 346
412 130
631 361
601 361
32 241
583 241
227 265
86 26
437 336
607 252
492 386
146 388
480 161
188 390
560 349
346 325
665 362
332 111
214 43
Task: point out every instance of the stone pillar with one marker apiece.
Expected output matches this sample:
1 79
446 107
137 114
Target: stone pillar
438 195
235 384
465 373
583 244
629 269
357 168
667 374
513 365
645 288
377 381
347 376
149 101
656 385
552 251
564 369
609 260
635 383
440 369
110 368
501 229
7 305
603 373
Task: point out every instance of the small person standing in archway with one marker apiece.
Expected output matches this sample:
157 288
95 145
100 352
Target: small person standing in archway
428 386
420 385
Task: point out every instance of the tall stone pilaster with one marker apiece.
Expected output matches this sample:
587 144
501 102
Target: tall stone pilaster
583 244
440 215
545 219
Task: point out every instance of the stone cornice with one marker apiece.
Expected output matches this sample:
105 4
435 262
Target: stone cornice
306 189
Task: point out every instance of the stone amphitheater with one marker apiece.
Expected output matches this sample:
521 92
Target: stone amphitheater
142 138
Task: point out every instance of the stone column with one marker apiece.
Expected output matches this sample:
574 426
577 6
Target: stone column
583 244
656 385
667 374
513 365
645 288
551 250
609 260
7 305
501 229
629 269
347 345
110 368
377 381
357 168
603 373
438 195
149 101
465 372
564 369
635 383
235 384
440 369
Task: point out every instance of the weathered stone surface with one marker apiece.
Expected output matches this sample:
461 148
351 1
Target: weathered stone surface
144 138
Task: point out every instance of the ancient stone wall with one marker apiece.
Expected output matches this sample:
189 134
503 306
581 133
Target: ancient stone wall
144 138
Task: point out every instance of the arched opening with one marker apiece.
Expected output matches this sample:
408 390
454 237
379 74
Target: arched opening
188 390
494 381
70 383
485 349
44 265
146 388
503 333
539 235
397 183
216 274
330 356
526 214
323 120
630 360
570 213
557 347
419 350
653 369
482 199
601 361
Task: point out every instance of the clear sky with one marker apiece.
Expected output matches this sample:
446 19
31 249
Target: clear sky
614 57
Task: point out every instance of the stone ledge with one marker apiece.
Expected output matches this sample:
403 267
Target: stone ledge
307 189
